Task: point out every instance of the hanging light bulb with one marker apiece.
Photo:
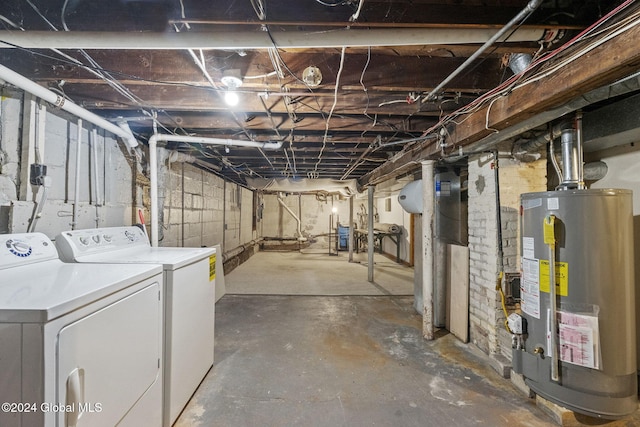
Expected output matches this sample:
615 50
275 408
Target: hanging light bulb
231 98
231 79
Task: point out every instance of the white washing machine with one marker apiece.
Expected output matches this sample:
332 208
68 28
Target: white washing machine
80 345
189 284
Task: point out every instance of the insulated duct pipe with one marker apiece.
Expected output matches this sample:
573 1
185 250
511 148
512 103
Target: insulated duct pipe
153 165
27 85
531 6
525 150
261 40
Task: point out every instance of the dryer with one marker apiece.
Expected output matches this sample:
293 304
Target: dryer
189 285
80 345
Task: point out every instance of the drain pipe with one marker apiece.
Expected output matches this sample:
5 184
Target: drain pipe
531 6
301 238
27 85
153 165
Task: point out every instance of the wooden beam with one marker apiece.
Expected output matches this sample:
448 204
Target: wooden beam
612 60
381 71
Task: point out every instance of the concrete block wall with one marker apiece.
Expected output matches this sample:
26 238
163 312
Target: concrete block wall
192 200
239 212
193 206
58 146
315 215
486 317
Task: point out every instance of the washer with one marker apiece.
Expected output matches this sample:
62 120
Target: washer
79 344
189 285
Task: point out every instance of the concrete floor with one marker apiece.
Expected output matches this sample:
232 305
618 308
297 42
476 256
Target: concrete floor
315 272
342 360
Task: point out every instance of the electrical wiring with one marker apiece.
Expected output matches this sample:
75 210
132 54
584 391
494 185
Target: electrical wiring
509 85
340 3
259 8
356 14
10 22
335 102
262 76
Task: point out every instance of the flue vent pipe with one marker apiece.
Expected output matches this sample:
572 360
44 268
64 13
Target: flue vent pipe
261 40
153 165
27 85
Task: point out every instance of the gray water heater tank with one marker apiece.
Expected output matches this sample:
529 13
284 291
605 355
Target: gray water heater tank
595 335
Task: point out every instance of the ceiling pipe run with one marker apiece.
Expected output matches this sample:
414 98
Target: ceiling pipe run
35 89
260 39
153 165
500 35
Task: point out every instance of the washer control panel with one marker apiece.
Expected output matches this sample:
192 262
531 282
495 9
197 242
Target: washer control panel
72 244
25 248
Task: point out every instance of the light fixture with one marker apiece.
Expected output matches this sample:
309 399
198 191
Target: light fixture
312 76
231 79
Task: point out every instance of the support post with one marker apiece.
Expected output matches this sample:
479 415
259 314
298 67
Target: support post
351 228
428 218
370 244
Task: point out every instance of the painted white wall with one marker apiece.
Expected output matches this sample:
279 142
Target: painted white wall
395 215
192 200
315 214
193 206
58 152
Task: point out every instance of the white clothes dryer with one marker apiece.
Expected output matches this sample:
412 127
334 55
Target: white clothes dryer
80 345
189 285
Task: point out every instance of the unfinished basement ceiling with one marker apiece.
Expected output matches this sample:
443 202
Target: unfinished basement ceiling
344 85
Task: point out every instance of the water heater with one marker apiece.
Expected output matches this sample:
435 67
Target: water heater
575 342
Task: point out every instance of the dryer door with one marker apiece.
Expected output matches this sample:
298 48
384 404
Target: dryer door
108 363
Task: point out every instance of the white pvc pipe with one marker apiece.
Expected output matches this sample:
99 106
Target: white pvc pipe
258 39
76 190
27 85
153 166
298 221
94 145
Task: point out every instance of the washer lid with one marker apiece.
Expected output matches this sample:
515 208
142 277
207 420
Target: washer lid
170 258
123 245
39 292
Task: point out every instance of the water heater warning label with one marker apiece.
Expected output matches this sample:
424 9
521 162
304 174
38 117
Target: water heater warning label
562 277
530 287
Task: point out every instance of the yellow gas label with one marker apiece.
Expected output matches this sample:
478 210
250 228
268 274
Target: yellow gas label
548 230
212 267
562 277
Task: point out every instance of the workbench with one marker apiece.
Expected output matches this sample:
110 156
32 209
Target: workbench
361 237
